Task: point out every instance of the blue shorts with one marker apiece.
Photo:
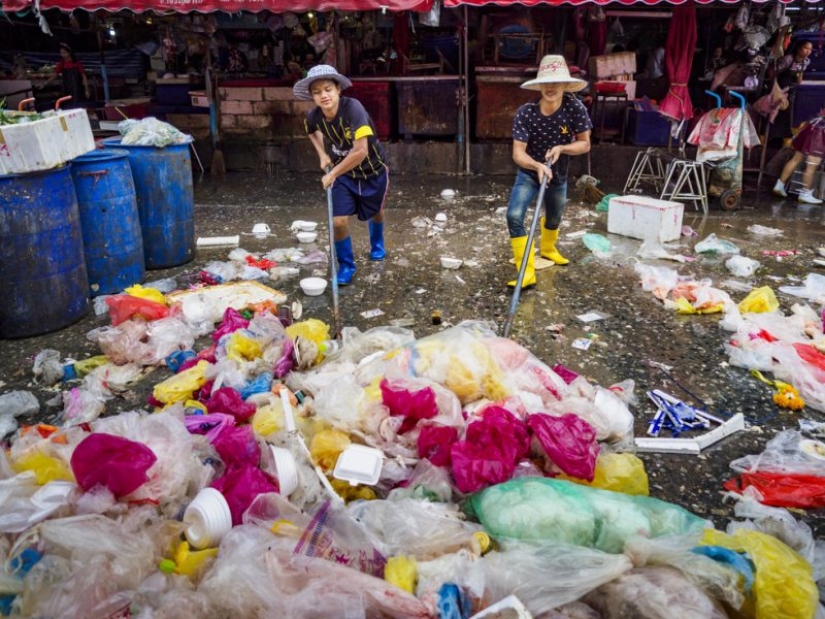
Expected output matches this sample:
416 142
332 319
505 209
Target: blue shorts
365 198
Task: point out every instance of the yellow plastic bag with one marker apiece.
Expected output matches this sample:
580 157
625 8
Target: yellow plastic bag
326 446
402 572
313 330
348 492
46 468
759 300
242 348
151 294
181 386
622 472
84 366
784 587
268 419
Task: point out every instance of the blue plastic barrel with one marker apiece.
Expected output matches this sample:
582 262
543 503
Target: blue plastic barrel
166 201
109 220
43 282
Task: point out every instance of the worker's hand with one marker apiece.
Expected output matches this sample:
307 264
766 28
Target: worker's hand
544 170
326 162
553 154
328 180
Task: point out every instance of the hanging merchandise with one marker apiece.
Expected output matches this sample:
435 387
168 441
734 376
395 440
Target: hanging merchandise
616 29
743 16
432 17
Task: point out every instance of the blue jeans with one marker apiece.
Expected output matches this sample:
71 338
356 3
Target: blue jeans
522 195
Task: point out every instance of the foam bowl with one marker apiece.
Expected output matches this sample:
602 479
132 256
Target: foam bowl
307 226
451 263
307 237
313 286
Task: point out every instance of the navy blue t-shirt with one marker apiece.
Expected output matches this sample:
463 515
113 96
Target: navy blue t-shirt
351 123
542 132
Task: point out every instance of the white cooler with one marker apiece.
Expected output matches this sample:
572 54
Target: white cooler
640 217
45 143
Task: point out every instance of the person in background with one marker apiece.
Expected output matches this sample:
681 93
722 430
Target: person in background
809 144
655 65
792 65
75 82
715 62
545 135
237 61
357 171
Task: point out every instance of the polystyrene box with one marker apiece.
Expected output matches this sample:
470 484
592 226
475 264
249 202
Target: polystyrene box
32 146
77 133
640 217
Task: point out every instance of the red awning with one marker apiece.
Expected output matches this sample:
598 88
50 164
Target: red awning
451 4
230 6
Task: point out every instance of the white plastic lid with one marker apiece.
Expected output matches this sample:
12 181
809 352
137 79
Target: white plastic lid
286 469
209 519
359 464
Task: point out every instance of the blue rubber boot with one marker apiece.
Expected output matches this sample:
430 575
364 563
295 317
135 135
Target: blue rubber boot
346 261
377 250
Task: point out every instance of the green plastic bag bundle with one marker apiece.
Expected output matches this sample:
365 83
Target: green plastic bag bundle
541 508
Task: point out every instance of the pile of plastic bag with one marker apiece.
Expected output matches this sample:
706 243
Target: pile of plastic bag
499 480
151 132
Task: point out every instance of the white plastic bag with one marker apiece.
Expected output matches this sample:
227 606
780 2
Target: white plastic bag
742 266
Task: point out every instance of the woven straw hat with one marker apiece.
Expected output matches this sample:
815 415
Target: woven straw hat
553 70
320 72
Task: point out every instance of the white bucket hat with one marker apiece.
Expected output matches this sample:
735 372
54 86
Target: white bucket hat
553 70
319 72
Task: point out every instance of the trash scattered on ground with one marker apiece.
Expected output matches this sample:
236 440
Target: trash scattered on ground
764 230
372 313
742 266
219 241
713 244
593 316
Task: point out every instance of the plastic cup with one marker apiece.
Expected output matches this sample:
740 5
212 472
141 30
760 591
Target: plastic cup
209 519
286 469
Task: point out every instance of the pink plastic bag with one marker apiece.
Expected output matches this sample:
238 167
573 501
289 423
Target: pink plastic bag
123 306
435 442
232 321
237 446
113 462
240 485
569 441
228 401
208 425
412 405
492 447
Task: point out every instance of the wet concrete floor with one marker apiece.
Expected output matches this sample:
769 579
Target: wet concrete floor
410 285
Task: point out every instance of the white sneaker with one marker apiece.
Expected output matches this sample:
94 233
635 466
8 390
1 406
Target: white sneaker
779 189
807 197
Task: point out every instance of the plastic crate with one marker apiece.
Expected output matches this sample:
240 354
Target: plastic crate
648 128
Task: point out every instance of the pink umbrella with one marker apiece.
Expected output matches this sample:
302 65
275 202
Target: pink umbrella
681 46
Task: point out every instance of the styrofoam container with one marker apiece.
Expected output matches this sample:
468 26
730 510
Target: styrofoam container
77 133
359 464
313 286
286 470
640 217
448 262
209 519
31 146
307 237
308 226
45 143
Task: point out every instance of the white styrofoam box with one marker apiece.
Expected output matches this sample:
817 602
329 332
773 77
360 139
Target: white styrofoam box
77 133
640 217
32 146
45 143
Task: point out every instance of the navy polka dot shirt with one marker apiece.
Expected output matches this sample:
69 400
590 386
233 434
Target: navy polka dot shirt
542 132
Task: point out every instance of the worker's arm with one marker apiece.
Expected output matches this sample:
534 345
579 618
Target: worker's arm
353 159
580 147
525 161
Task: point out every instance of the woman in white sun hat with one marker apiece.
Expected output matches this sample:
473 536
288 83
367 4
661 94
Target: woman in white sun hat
359 176
545 135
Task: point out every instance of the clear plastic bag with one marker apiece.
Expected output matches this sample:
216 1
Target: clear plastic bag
658 280
151 132
712 243
652 593
544 577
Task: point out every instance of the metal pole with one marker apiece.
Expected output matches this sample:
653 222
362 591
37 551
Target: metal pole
508 324
466 96
333 267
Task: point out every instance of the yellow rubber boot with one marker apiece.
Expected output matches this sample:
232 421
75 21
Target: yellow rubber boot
548 245
519 245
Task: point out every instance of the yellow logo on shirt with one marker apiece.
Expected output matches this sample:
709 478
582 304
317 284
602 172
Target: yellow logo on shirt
348 134
564 130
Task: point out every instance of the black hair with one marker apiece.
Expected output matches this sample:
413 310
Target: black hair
68 48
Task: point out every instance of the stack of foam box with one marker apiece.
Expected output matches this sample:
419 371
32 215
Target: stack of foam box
45 143
618 67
